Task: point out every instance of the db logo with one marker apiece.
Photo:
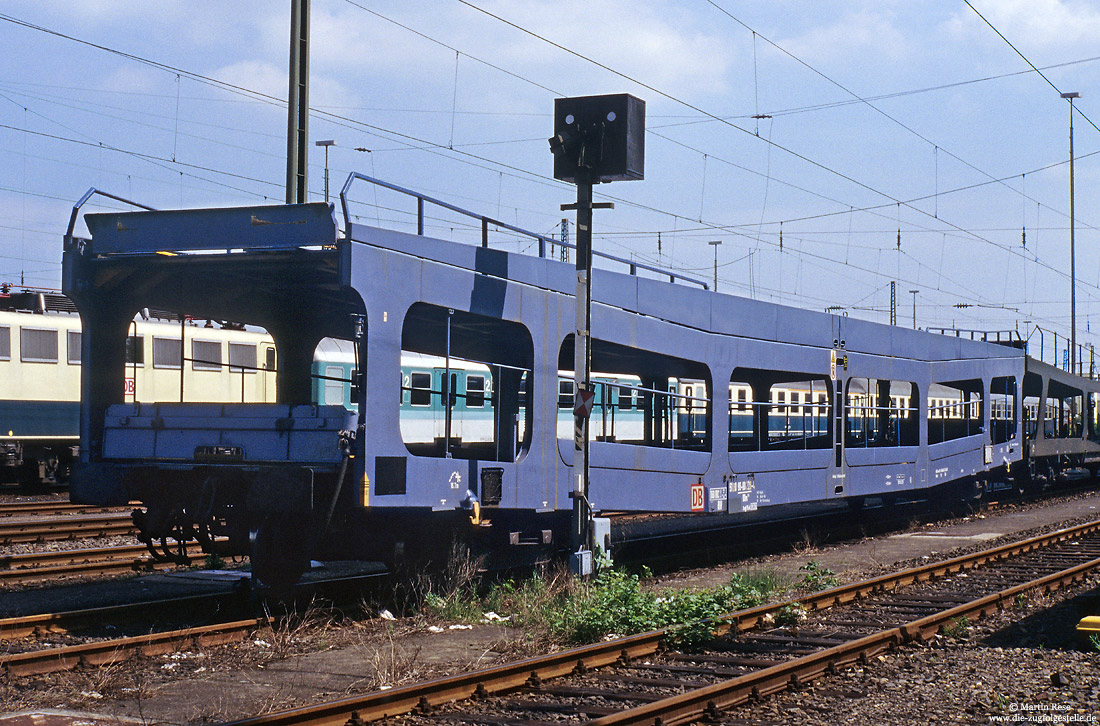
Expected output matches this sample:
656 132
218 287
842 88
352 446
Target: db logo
698 497
129 388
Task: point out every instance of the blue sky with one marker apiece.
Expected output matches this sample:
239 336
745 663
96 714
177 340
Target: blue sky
882 116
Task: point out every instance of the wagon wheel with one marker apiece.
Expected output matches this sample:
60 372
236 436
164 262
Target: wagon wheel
172 545
278 551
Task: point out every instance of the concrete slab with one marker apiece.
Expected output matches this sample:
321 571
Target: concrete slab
58 717
850 559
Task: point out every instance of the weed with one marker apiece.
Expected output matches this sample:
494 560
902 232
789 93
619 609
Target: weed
805 543
450 593
1095 640
817 577
957 629
616 604
215 561
1020 601
391 664
792 614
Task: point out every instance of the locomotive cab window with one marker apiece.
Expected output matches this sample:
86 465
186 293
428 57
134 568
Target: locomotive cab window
135 350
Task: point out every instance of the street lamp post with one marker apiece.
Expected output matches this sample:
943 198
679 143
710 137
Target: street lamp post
1072 250
714 244
325 143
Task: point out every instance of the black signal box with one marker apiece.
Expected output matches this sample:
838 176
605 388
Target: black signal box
602 135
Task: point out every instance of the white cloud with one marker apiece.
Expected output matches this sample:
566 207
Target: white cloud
272 80
860 34
133 79
1034 25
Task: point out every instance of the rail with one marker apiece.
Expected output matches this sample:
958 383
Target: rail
486 222
421 697
80 203
1080 358
1011 338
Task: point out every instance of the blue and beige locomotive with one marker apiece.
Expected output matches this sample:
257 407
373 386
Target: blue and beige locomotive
444 412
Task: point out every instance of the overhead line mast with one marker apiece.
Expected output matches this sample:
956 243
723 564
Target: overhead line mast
297 131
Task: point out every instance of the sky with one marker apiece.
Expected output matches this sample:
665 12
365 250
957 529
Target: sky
831 147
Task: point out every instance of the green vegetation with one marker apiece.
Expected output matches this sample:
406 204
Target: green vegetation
817 577
215 561
555 607
790 615
1095 640
958 628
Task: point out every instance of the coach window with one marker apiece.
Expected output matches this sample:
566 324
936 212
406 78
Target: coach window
5 342
206 355
420 393
72 345
565 394
880 412
475 391
37 345
1002 409
955 410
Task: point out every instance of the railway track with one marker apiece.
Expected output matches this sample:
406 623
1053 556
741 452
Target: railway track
116 650
65 528
638 680
40 566
13 509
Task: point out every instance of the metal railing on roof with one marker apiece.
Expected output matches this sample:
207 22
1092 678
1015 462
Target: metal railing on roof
487 222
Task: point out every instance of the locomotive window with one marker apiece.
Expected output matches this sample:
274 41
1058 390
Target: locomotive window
135 350
167 352
37 346
243 355
206 355
72 341
421 394
475 391
269 359
5 343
